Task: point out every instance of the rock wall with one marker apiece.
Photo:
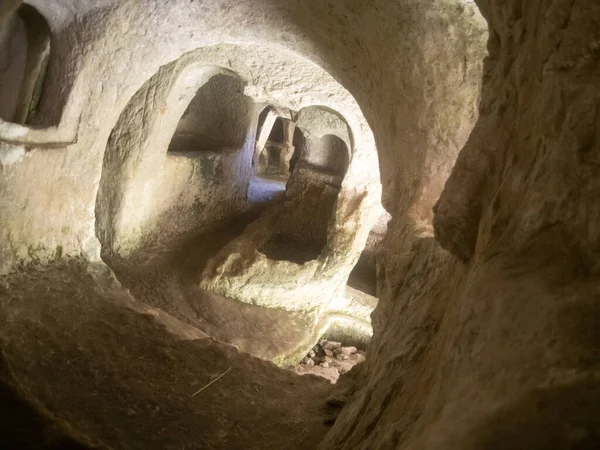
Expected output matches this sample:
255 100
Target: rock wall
217 118
494 344
92 83
300 231
148 195
486 336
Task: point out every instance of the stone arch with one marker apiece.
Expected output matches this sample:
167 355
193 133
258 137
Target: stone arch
124 222
320 120
24 51
122 232
325 142
145 188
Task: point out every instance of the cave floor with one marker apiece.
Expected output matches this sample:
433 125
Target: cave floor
167 278
88 360
82 367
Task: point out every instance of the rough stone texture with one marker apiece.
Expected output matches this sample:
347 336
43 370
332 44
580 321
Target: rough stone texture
299 233
501 352
75 106
82 366
337 361
165 277
13 54
146 192
491 344
320 127
218 117
308 244
364 274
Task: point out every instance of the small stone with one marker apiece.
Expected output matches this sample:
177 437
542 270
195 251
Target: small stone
308 361
311 354
323 343
325 365
328 353
345 351
342 357
331 345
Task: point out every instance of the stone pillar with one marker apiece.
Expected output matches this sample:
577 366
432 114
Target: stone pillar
287 149
263 136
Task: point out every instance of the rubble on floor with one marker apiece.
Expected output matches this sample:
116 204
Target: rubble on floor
330 359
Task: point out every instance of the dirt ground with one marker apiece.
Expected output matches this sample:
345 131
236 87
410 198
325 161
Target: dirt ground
81 369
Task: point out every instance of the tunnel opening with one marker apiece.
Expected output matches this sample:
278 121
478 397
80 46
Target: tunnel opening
188 169
145 183
271 169
274 157
318 166
364 274
25 43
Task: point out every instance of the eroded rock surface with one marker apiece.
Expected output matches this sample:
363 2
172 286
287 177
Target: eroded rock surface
88 371
486 334
500 352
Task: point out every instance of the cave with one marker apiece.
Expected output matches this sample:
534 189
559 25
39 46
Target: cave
334 225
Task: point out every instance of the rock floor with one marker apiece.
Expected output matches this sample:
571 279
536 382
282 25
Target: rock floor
82 368
166 278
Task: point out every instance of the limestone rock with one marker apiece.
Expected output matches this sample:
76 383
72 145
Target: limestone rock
331 345
346 351
308 361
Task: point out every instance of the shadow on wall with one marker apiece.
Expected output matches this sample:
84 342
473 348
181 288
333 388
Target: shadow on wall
147 193
330 154
24 55
216 119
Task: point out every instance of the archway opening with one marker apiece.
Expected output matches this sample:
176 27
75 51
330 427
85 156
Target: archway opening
25 51
188 169
318 166
274 145
216 118
167 168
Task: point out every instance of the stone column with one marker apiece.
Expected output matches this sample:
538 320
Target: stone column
287 149
263 136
